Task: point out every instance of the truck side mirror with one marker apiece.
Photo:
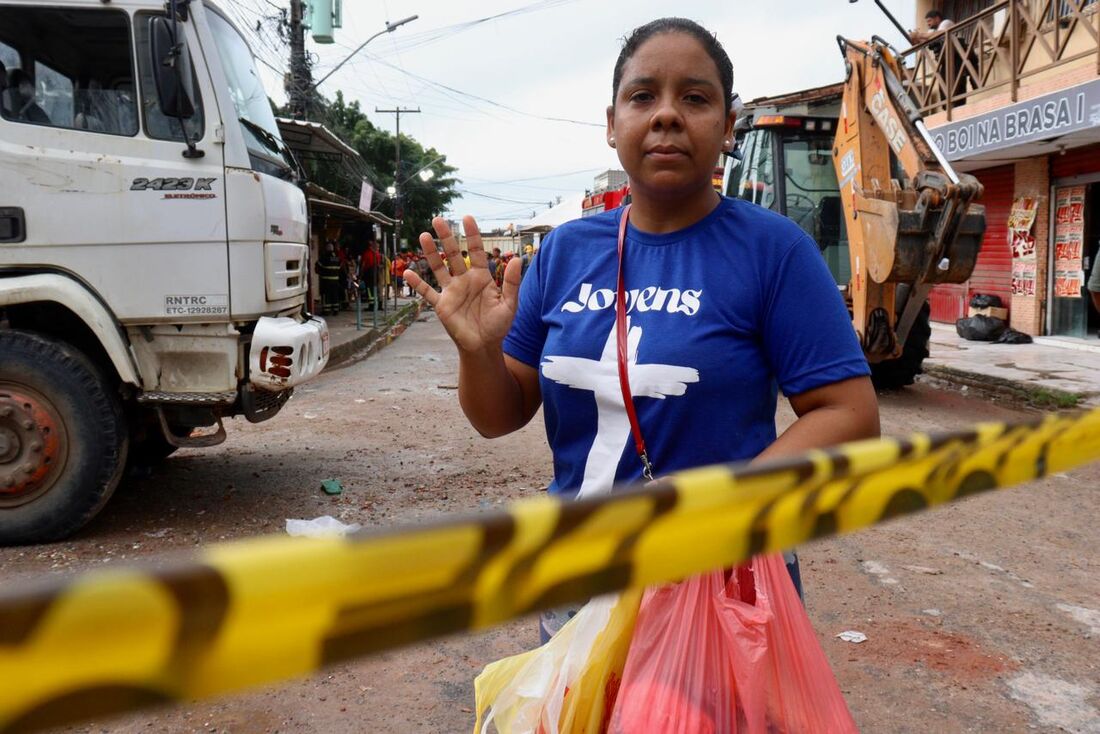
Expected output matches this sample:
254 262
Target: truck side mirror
171 70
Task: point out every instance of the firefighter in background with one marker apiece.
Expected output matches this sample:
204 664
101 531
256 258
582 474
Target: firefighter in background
328 268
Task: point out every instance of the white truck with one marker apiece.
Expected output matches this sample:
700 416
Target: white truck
153 249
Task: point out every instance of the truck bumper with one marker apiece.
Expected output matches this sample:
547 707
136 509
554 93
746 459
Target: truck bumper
286 352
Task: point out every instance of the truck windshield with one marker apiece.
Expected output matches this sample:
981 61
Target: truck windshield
261 134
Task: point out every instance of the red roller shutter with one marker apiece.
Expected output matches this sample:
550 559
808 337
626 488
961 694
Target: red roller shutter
993 273
1076 161
948 302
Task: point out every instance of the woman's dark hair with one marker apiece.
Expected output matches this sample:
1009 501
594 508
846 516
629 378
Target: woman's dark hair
706 39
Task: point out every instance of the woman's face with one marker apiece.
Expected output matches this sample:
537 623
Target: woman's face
669 121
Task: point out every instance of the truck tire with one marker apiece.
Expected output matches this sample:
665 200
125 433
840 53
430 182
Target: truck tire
895 374
63 439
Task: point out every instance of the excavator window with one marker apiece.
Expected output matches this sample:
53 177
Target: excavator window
806 191
812 198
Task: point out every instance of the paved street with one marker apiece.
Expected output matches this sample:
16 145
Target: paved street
982 616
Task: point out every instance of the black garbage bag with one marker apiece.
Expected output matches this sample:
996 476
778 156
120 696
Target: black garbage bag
981 300
1011 336
980 328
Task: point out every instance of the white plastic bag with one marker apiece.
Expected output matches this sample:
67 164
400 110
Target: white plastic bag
325 526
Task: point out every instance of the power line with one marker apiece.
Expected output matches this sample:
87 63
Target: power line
415 40
550 175
521 186
498 198
486 100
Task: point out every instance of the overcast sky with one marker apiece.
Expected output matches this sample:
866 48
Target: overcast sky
554 59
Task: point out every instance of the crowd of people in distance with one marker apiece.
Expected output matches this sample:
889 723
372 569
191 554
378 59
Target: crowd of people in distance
497 261
347 272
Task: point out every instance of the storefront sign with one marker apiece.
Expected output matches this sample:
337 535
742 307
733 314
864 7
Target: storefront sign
1049 116
1022 244
1069 235
1023 211
366 195
1023 277
1068 283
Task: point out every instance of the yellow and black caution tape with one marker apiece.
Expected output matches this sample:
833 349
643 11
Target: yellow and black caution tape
259 611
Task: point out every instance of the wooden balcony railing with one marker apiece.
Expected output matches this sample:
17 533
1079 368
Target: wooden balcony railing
999 48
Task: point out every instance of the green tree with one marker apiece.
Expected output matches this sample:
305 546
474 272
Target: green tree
421 199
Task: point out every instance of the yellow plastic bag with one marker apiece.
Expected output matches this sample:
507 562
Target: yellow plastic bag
568 685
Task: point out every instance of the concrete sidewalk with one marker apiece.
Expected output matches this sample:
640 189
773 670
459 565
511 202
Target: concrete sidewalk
1050 373
348 338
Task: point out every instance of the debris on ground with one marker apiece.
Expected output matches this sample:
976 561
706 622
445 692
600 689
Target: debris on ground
325 526
332 486
1011 336
852 636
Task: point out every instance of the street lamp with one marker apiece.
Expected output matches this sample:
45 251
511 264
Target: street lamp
425 172
390 28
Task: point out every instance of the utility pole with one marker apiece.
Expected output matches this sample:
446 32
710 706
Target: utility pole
399 207
300 80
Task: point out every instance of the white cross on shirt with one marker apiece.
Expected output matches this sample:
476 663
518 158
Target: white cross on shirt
612 423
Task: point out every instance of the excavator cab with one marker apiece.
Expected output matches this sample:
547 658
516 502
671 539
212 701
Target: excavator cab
854 166
786 165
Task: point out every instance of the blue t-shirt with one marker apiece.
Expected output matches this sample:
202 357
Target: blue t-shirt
720 314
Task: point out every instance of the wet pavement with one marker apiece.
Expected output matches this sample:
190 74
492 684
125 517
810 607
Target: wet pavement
1050 364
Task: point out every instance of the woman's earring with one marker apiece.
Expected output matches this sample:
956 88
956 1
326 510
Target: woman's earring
611 141
727 144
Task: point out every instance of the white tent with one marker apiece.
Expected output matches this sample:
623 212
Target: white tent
567 210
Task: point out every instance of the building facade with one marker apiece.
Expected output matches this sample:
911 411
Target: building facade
1011 94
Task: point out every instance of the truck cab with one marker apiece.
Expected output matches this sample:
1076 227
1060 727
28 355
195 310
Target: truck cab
153 249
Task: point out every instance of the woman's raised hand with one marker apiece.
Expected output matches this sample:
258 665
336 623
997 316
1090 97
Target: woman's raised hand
476 314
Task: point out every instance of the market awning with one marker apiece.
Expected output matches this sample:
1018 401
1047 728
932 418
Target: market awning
346 212
314 141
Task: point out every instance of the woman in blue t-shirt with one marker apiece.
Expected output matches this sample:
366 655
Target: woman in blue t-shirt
724 303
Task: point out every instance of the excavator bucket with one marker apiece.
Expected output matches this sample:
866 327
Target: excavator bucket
910 241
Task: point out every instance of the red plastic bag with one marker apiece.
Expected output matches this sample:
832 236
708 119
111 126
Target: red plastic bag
713 655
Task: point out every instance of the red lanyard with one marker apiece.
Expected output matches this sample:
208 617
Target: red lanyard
621 336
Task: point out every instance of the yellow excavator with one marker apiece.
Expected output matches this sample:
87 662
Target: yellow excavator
855 166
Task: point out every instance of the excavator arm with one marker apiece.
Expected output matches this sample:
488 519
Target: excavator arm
913 231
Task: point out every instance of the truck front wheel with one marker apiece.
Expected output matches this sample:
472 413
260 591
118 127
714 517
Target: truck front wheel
63 439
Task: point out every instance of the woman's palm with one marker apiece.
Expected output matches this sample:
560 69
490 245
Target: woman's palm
476 314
